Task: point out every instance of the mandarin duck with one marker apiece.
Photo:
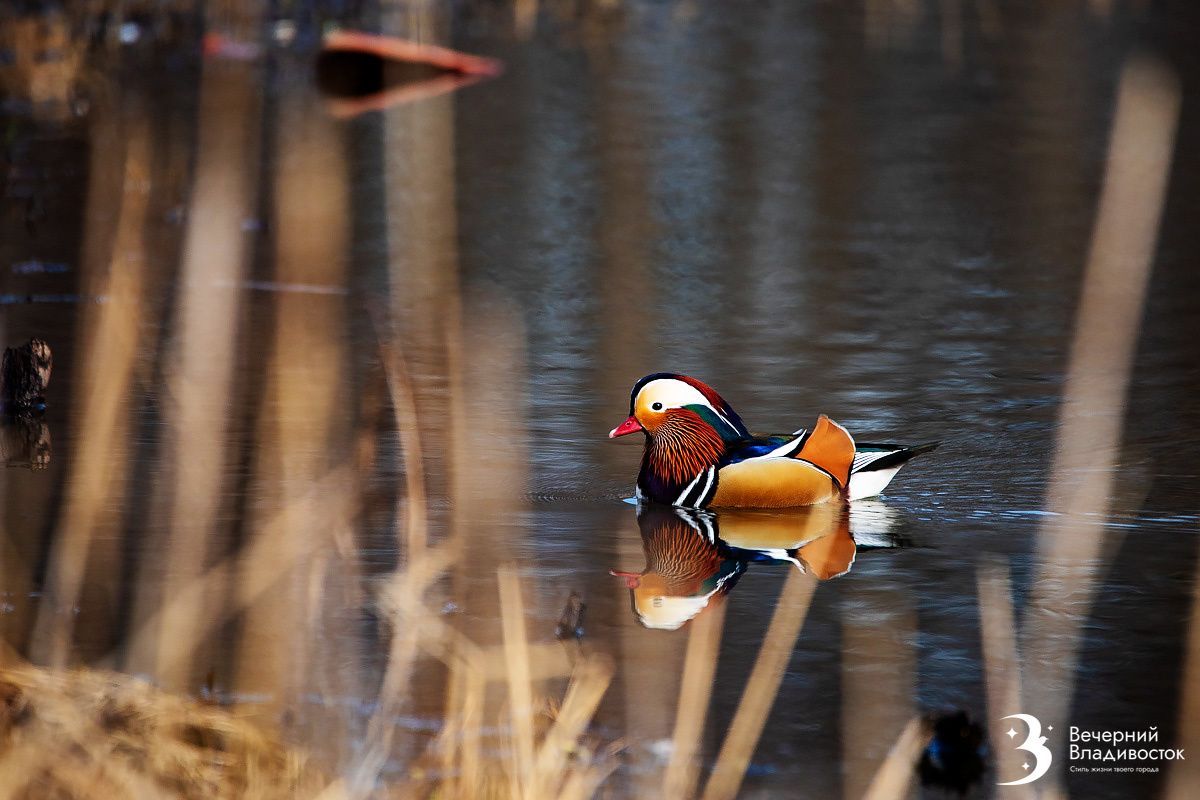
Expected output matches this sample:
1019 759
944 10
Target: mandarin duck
694 558
699 453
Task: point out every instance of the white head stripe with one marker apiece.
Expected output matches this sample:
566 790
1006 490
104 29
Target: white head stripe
673 393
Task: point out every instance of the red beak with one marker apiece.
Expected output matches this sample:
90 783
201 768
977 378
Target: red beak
632 579
630 425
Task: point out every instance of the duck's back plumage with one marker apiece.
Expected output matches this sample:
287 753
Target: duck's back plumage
811 467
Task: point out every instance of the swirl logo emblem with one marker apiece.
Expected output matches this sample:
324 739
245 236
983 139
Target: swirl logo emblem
1035 745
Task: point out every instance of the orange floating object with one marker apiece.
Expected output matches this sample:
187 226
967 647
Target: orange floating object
392 48
362 72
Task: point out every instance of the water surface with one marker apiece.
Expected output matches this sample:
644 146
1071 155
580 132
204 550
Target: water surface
812 208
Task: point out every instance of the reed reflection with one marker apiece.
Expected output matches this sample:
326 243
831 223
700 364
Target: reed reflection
695 558
25 442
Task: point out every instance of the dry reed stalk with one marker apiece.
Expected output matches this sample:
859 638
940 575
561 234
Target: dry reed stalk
559 762
413 629
1184 777
108 351
584 784
448 746
1002 667
422 214
414 626
486 485
462 720
791 609
377 748
520 690
285 648
547 660
525 13
407 586
251 586
588 684
895 774
565 763
1070 542
200 375
408 427
878 681
473 710
695 691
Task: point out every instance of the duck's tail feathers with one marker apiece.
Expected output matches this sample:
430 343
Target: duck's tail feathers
875 465
830 447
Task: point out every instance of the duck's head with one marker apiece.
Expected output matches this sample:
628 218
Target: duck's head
666 400
659 602
685 570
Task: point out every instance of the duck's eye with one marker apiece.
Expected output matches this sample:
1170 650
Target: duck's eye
656 406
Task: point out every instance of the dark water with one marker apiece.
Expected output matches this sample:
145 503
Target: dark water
812 207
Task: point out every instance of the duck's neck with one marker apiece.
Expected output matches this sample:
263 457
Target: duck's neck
681 555
681 448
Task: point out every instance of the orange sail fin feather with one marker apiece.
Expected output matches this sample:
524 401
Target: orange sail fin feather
831 448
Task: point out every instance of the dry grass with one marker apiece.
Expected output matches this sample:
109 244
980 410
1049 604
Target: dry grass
92 734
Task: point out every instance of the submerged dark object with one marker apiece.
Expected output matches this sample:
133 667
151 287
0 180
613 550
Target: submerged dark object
570 624
954 758
24 376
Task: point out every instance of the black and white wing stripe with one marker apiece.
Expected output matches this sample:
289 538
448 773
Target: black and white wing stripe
700 521
786 450
700 491
875 465
864 459
871 457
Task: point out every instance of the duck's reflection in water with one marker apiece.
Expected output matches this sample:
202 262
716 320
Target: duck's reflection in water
695 558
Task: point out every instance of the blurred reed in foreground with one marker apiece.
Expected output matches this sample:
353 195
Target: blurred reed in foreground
232 539
248 551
